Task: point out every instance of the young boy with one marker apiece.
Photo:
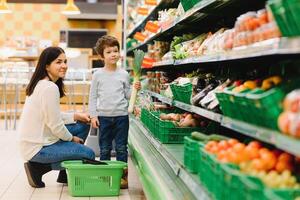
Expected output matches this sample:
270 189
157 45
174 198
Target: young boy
108 102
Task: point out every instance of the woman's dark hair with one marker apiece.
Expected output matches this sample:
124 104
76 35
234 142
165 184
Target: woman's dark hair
46 58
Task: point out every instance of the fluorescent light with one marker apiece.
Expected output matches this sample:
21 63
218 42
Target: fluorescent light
71 8
4 8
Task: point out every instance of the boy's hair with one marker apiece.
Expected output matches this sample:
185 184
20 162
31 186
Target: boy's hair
106 41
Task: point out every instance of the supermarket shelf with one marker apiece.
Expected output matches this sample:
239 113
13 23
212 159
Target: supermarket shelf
140 23
269 136
172 154
275 138
159 97
193 12
163 63
272 47
200 111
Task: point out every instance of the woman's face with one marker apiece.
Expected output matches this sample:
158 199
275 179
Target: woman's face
58 68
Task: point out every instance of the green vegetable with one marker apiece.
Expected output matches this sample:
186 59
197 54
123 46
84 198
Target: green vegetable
202 137
216 137
137 70
199 136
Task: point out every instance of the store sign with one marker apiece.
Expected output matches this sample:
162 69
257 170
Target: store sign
142 11
151 2
139 36
152 27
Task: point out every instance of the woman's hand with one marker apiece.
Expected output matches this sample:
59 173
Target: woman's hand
77 140
137 85
82 117
95 122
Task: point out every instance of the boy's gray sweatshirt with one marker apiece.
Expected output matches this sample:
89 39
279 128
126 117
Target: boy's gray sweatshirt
109 93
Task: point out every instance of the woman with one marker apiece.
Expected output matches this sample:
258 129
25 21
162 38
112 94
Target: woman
44 139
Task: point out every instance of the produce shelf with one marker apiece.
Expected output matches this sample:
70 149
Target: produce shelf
140 23
163 63
269 136
203 10
193 12
271 47
160 5
177 182
275 138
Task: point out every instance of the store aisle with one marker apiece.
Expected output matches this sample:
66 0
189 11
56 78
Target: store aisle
14 186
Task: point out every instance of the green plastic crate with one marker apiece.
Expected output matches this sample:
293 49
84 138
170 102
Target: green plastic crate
94 180
195 2
167 132
282 194
191 154
186 4
209 174
286 14
182 93
256 107
242 186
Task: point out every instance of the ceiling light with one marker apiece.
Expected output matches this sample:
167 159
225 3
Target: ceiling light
4 8
71 8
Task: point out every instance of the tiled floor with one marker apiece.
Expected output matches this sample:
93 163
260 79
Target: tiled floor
14 185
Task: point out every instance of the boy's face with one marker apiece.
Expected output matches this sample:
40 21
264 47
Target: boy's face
111 55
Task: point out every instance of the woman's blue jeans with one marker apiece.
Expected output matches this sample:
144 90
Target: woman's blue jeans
114 128
62 150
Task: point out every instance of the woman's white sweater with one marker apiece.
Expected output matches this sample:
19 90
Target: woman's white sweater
41 121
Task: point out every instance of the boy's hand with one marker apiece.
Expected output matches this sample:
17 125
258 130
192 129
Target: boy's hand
82 117
95 122
137 85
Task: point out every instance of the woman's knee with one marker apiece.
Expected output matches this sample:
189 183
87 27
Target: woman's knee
88 153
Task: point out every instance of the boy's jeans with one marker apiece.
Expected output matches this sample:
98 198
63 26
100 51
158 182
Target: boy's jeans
63 150
114 128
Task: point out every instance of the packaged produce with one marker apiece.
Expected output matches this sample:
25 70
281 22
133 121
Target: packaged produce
292 102
289 123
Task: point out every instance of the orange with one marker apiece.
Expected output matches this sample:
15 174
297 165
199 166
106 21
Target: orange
252 152
210 145
239 147
259 165
223 145
243 156
234 157
281 166
263 150
221 154
270 159
232 142
255 144
285 157
214 149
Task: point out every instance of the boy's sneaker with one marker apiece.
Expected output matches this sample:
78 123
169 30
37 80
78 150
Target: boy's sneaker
124 179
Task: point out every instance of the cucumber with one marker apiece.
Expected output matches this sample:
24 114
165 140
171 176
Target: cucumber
216 137
199 136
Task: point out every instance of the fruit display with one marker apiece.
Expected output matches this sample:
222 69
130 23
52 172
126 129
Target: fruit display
183 120
289 120
210 71
274 167
253 27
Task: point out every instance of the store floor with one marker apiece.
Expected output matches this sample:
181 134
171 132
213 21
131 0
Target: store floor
14 185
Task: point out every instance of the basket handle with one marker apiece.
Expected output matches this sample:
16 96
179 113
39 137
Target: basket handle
93 162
